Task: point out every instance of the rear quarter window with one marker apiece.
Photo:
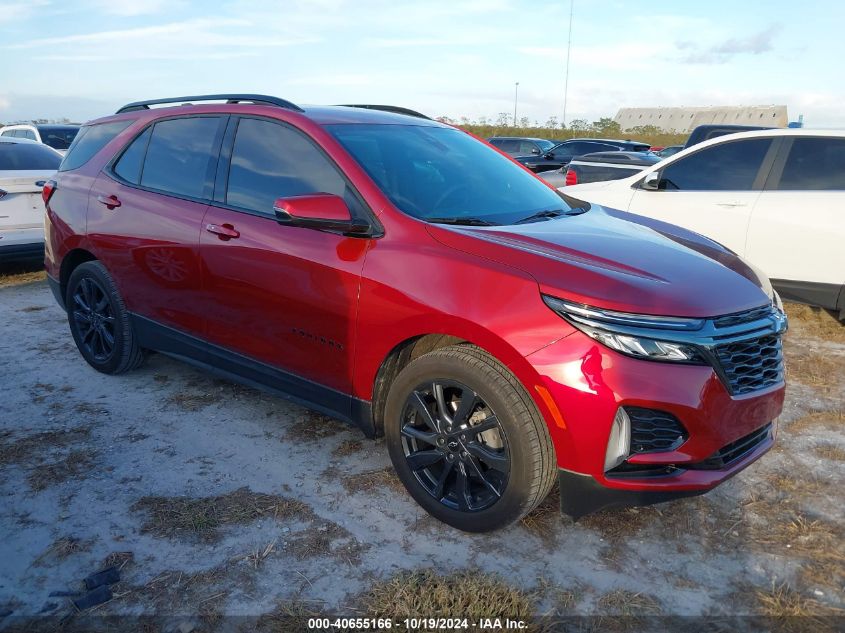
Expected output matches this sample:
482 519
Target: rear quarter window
90 140
814 164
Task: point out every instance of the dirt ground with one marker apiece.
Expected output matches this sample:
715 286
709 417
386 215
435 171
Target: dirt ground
213 499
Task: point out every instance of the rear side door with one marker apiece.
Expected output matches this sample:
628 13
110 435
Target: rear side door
145 214
284 296
711 191
797 229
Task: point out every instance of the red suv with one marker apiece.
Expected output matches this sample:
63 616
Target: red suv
402 275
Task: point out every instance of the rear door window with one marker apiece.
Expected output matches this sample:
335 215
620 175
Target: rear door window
90 140
814 164
271 161
729 166
182 156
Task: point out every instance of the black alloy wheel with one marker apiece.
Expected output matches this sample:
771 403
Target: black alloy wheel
94 317
455 445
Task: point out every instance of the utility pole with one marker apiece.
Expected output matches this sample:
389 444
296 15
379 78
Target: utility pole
515 100
568 49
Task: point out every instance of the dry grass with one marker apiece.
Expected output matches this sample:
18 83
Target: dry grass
824 373
17 276
374 481
289 615
25 449
830 451
33 309
794 612
190 516
75 465
120 560
815 322
545 521
63 548
628 603
313 426
348 447
834 420
429 594
193 400
321 539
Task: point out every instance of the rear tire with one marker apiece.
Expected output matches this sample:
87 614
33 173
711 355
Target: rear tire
99 321
466 439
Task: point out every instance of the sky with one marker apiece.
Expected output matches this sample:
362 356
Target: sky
84 58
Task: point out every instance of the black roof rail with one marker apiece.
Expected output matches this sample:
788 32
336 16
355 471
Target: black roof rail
228 98
387 108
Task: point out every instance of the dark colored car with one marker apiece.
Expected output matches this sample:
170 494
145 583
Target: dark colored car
671 150
57 136
400 274
599 167
521 146
561 154
708 131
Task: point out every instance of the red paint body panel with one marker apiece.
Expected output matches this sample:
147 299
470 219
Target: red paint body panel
331 308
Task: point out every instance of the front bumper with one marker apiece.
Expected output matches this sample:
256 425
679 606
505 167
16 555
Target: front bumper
588 382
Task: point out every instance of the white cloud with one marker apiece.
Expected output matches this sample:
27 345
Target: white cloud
18 11
132 8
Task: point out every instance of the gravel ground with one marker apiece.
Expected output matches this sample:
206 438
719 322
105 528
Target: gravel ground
215 499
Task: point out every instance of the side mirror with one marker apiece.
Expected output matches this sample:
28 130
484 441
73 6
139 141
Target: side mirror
321 211
651 182
536 151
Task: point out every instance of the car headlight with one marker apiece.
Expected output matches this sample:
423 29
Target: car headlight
776 301
638 335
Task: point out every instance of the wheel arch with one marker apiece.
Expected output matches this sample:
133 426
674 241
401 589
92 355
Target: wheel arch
70 262
411 347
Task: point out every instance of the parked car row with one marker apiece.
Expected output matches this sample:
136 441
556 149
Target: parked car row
542 158
600 166
59 137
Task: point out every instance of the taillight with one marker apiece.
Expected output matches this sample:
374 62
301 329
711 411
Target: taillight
47 191
571 177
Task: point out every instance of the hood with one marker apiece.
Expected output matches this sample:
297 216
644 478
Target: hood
620 261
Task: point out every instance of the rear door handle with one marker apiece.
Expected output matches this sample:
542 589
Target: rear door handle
731 204
223 231
111 202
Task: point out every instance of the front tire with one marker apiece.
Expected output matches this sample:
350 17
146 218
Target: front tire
466 439
99 321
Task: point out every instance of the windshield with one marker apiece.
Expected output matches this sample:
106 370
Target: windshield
432 173
57 137
545 145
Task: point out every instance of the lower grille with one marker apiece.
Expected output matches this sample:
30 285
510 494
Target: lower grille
730 453
654 431
751 365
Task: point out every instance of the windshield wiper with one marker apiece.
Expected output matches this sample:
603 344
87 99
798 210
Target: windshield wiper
460 220
549 214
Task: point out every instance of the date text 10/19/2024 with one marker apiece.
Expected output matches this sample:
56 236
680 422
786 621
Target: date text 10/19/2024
414 624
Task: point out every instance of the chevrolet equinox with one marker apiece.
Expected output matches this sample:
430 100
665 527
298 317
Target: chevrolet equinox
404 276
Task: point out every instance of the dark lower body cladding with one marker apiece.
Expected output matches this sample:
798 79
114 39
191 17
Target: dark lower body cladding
581 495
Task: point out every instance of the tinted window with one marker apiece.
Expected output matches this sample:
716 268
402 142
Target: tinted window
90 140
57 137
28 156
815 164
128 166
434 172
527 147
7 133
510 145
27 134
182 155
545 145
729 166
271 161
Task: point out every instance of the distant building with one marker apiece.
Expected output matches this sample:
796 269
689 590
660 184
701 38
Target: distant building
683 120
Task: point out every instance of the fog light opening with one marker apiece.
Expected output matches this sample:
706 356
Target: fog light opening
619 442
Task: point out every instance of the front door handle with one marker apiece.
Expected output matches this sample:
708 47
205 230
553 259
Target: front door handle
731 205
111 202
223 231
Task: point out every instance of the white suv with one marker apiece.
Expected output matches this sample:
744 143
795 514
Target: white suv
775 197
57 136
